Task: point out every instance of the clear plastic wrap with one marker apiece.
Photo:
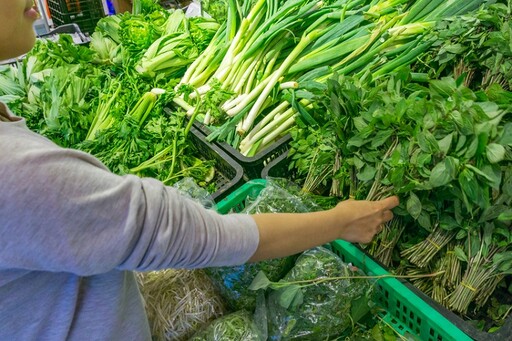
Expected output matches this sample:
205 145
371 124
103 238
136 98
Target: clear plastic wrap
237 326
321 310
280 196
233 282
189 188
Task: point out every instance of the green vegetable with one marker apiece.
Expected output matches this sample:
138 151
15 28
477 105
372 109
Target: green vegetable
439 146
182 42
232 327
278 43
55 88
319 310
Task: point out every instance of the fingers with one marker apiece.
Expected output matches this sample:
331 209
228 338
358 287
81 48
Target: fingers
387 215
389 203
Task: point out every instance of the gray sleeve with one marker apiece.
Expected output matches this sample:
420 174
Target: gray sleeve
63 211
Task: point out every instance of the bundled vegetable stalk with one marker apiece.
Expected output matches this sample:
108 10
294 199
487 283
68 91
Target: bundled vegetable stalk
445 150
388 239
422 253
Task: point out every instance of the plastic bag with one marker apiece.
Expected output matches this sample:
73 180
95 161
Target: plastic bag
190 189
322 310
178 302
280 196
236 326
233 282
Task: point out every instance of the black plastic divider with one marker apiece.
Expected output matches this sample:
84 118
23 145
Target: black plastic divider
252 166
228 173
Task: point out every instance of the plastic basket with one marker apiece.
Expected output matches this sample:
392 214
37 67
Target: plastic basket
252 166
228 174
278 168
84 13
403 309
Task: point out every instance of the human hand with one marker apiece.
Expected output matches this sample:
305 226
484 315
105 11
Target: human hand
361 220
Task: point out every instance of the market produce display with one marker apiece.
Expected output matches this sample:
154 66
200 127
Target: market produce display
442 145
107 99
380 97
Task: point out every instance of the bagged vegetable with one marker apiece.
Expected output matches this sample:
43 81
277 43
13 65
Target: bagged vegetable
233 282
178 302
236 326
190 189
319 310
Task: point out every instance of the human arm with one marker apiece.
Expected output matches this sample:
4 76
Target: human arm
283 234
63 211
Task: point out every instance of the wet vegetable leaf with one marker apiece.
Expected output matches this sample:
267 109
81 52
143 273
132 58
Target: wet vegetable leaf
440 175
290 297
469 184
461 255
505 216
367 174
445 143
260 282
414 205
495 152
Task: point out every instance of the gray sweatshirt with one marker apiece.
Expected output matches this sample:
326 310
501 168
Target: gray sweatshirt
71 233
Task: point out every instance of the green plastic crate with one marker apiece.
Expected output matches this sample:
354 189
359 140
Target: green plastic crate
404 310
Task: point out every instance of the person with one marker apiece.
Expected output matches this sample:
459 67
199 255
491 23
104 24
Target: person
72 233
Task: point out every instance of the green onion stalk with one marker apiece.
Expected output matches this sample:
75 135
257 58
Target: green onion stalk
377 47
257 51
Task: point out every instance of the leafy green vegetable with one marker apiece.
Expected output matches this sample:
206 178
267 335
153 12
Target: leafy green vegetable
439 146
55 89
169 55
475 48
